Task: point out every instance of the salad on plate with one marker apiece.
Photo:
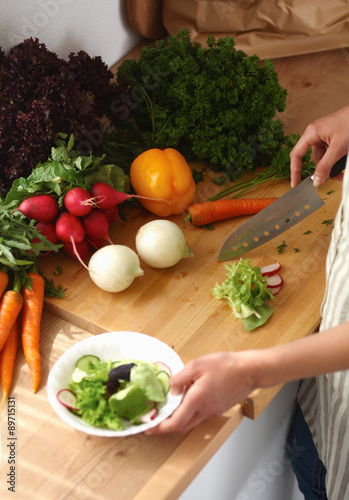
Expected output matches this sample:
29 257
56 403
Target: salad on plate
109 394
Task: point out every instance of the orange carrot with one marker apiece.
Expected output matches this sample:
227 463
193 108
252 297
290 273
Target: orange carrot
10 307
7 361
3 282
207 212
31 319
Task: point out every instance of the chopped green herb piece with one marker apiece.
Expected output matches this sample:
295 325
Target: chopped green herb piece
307 232
281 247
209 227
220 181
197 175
330 192
287 220
327 222
296 250
58 271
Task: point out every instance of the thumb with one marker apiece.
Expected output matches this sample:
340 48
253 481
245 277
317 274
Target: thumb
323 168
183 379
178 383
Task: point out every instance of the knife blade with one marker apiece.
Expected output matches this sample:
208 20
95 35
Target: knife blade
287 211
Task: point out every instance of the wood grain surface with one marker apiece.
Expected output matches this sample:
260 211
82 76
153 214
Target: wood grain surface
175 305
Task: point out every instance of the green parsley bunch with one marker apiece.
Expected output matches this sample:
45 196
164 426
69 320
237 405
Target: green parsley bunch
214 104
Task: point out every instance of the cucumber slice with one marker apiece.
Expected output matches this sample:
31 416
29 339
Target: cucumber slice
162 367
164 379
85 362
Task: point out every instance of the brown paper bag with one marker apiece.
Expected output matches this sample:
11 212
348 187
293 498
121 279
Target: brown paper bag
268 28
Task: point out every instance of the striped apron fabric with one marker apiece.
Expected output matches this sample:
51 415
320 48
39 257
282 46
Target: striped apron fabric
325 399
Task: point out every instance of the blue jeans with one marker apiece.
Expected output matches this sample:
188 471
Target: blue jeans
305 461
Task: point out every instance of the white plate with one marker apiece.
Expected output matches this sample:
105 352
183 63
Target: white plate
114 345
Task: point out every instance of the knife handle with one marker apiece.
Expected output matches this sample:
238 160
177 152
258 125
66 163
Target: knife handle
338 167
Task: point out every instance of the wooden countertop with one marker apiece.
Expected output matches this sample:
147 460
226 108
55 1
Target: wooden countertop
54 461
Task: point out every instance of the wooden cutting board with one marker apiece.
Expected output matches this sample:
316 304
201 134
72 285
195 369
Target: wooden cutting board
176 304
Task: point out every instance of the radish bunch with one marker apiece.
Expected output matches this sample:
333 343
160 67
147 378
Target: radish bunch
274 279
83 223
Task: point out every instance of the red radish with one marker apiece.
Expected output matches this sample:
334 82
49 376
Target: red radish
69 227
95 243
67 398
274 280
47 229
149 416
105 196
270 269
79 251
42 208
96 225
163 367
274 289
112 214
77 201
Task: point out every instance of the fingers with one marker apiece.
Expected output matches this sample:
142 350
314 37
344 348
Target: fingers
185 417
196 405
324 165
181 380
329 140
309 139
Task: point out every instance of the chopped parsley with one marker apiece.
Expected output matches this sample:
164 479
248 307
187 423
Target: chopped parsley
281 247
197 175
58 271
327 222
220 181
307 232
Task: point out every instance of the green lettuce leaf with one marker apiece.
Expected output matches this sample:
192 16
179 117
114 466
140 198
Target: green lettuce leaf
246 291
144 376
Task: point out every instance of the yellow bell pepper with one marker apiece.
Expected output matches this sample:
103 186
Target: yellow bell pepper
163 175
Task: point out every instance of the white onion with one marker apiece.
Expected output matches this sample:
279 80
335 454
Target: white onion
161 243
114 267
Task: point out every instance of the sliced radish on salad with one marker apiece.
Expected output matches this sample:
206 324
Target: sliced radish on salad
270 269
274 280
67 398
274 289
149 416
163 367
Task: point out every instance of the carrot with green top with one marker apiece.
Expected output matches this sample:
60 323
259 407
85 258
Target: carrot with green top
10 306
7 361
33 297
207 212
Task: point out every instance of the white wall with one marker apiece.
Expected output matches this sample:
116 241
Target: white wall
100 27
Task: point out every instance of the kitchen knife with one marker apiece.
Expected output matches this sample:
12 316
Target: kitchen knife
282 214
